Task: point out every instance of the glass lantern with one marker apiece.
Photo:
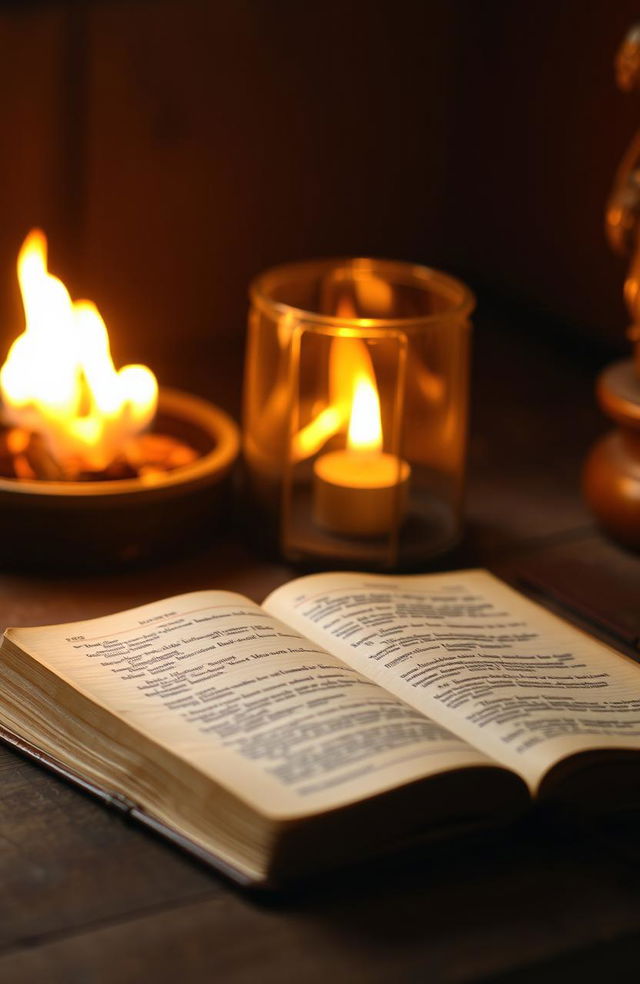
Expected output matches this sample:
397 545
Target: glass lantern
355 411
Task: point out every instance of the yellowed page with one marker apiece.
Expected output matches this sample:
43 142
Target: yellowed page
249 701
506 675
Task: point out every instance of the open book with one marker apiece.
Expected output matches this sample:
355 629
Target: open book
348 714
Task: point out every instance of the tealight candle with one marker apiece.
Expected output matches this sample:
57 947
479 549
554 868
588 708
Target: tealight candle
361 490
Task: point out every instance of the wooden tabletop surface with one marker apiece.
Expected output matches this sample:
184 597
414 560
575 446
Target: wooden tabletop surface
88 897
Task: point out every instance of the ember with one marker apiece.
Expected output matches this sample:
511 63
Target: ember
25 455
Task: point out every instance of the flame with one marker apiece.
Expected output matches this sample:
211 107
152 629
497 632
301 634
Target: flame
349 364
59 379
365 423
353 402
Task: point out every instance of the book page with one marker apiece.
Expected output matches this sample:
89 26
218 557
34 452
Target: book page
249 701
500 671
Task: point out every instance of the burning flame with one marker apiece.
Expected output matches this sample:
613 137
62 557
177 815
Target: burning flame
349 368
59 379
353 404
365 423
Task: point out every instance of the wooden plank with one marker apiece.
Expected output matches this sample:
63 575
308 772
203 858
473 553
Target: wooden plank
462 914
227 564
533 419
529 222
226 137
32 164
592 577
67 861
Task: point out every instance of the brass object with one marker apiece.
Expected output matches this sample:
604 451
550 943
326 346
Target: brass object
612 471
623 207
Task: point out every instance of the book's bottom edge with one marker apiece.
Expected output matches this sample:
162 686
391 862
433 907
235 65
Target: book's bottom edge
276 884
133 811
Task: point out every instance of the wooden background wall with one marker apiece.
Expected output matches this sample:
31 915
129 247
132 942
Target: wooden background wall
172 149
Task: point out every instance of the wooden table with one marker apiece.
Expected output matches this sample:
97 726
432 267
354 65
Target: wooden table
85 896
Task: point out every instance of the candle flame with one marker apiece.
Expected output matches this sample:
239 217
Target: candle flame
59 379
349 361
365 423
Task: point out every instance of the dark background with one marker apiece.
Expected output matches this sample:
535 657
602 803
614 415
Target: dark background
172 150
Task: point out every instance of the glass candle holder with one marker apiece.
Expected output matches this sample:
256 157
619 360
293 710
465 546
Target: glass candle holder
355 411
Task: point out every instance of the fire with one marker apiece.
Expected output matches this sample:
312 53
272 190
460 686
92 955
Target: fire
349 365
59 380
353 399
365 423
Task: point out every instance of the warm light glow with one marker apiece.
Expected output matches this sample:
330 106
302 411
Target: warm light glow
310 439
365 424
349 366
374 295
59 379
349 361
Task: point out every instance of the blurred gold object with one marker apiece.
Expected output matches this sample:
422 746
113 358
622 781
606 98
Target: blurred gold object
612 470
